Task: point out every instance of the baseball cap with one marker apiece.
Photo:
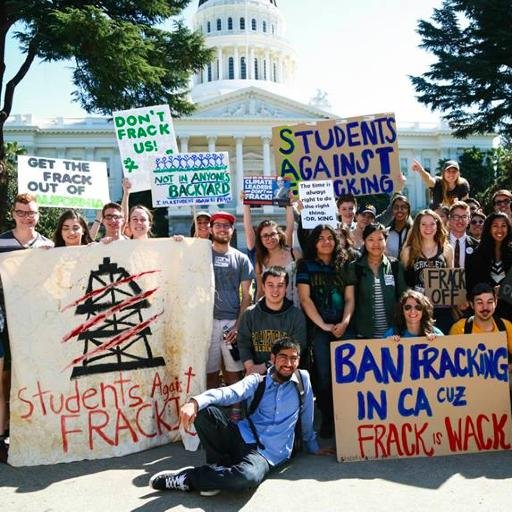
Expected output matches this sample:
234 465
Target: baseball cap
206 214
222 216
451 163
368 208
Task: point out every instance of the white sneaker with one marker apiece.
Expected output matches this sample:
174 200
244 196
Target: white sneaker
171 480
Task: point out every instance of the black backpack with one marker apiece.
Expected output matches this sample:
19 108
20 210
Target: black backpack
256 399
468 324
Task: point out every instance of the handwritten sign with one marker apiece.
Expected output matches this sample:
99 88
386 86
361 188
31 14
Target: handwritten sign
142 133
421 399
266 190
359 155
191 178
445 286
101 345
62 183
319 205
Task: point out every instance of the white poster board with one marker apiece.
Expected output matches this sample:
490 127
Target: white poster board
319 205
107 342
64 183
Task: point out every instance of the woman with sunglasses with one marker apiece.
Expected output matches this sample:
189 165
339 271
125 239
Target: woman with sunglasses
71 230
413 317
476 225
492 259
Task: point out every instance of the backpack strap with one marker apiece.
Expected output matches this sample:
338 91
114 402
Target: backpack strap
468 325
500 324
256 399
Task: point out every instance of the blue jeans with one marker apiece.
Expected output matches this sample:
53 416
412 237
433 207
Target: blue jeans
239 465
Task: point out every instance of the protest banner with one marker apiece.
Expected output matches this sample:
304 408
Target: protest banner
266 190
359 154
62 183
319 205
445 286
421 399
142 133
191 178
106 345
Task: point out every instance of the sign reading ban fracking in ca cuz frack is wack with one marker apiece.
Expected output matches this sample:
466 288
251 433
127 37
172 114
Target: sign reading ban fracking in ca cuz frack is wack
359 154
191 178
421 399
63 183
143 133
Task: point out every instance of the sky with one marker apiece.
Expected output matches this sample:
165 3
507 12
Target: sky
359 52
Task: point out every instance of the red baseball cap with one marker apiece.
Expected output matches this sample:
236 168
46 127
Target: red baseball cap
223 216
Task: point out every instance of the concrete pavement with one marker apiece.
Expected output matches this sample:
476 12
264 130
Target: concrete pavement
460 482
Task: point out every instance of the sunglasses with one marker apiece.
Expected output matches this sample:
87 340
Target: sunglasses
408 307
474 221
500 202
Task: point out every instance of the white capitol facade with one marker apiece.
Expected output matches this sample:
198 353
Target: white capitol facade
239 97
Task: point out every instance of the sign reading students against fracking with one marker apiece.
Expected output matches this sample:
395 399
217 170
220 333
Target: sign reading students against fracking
420 399
359 154
63 183
105 346
143 133
191 178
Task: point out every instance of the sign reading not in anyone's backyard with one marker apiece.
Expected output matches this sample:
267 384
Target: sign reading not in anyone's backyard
191 178
418 398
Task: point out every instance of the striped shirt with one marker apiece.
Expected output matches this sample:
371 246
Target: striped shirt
381 322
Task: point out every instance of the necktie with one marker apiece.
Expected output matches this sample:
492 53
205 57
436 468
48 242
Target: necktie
457 254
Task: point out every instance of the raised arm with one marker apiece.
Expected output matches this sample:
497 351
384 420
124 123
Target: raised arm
250 237
427 179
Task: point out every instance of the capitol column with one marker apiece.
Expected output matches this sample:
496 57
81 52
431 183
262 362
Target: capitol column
236 63
250 69
239 174
211 144
267 171
184 144
221 64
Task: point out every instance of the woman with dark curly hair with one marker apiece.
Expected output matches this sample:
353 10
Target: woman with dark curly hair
327 299
71 230
492 259
414 316
272 250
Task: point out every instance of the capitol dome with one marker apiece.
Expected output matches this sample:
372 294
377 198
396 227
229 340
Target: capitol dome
251 50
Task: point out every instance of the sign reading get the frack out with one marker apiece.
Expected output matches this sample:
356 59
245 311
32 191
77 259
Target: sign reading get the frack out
359 154
421 399
63 183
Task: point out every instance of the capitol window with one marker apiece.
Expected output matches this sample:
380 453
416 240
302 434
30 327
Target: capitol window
243 68
253 24
242 23
230 23
264 26
219 24
231 68
208 27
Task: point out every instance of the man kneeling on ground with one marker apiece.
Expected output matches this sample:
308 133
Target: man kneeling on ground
240 455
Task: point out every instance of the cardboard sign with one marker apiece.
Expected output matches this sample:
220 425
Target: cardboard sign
445 286
106 345
266 190
359 155
421 399
319 205
191 178
142 133
62 183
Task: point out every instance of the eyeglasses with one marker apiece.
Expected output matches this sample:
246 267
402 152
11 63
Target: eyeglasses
459 217
113 217
502 202
221 225
475 221
408 307
26 213
268 236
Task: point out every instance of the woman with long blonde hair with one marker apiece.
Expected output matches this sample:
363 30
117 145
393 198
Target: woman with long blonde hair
427 246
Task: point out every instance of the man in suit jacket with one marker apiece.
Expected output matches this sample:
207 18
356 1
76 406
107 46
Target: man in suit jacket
462 243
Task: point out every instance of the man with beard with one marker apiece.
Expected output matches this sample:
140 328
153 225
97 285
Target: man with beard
483 302
233 275
271 318
240 455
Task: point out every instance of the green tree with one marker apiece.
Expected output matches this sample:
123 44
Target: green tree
122 55
471 81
